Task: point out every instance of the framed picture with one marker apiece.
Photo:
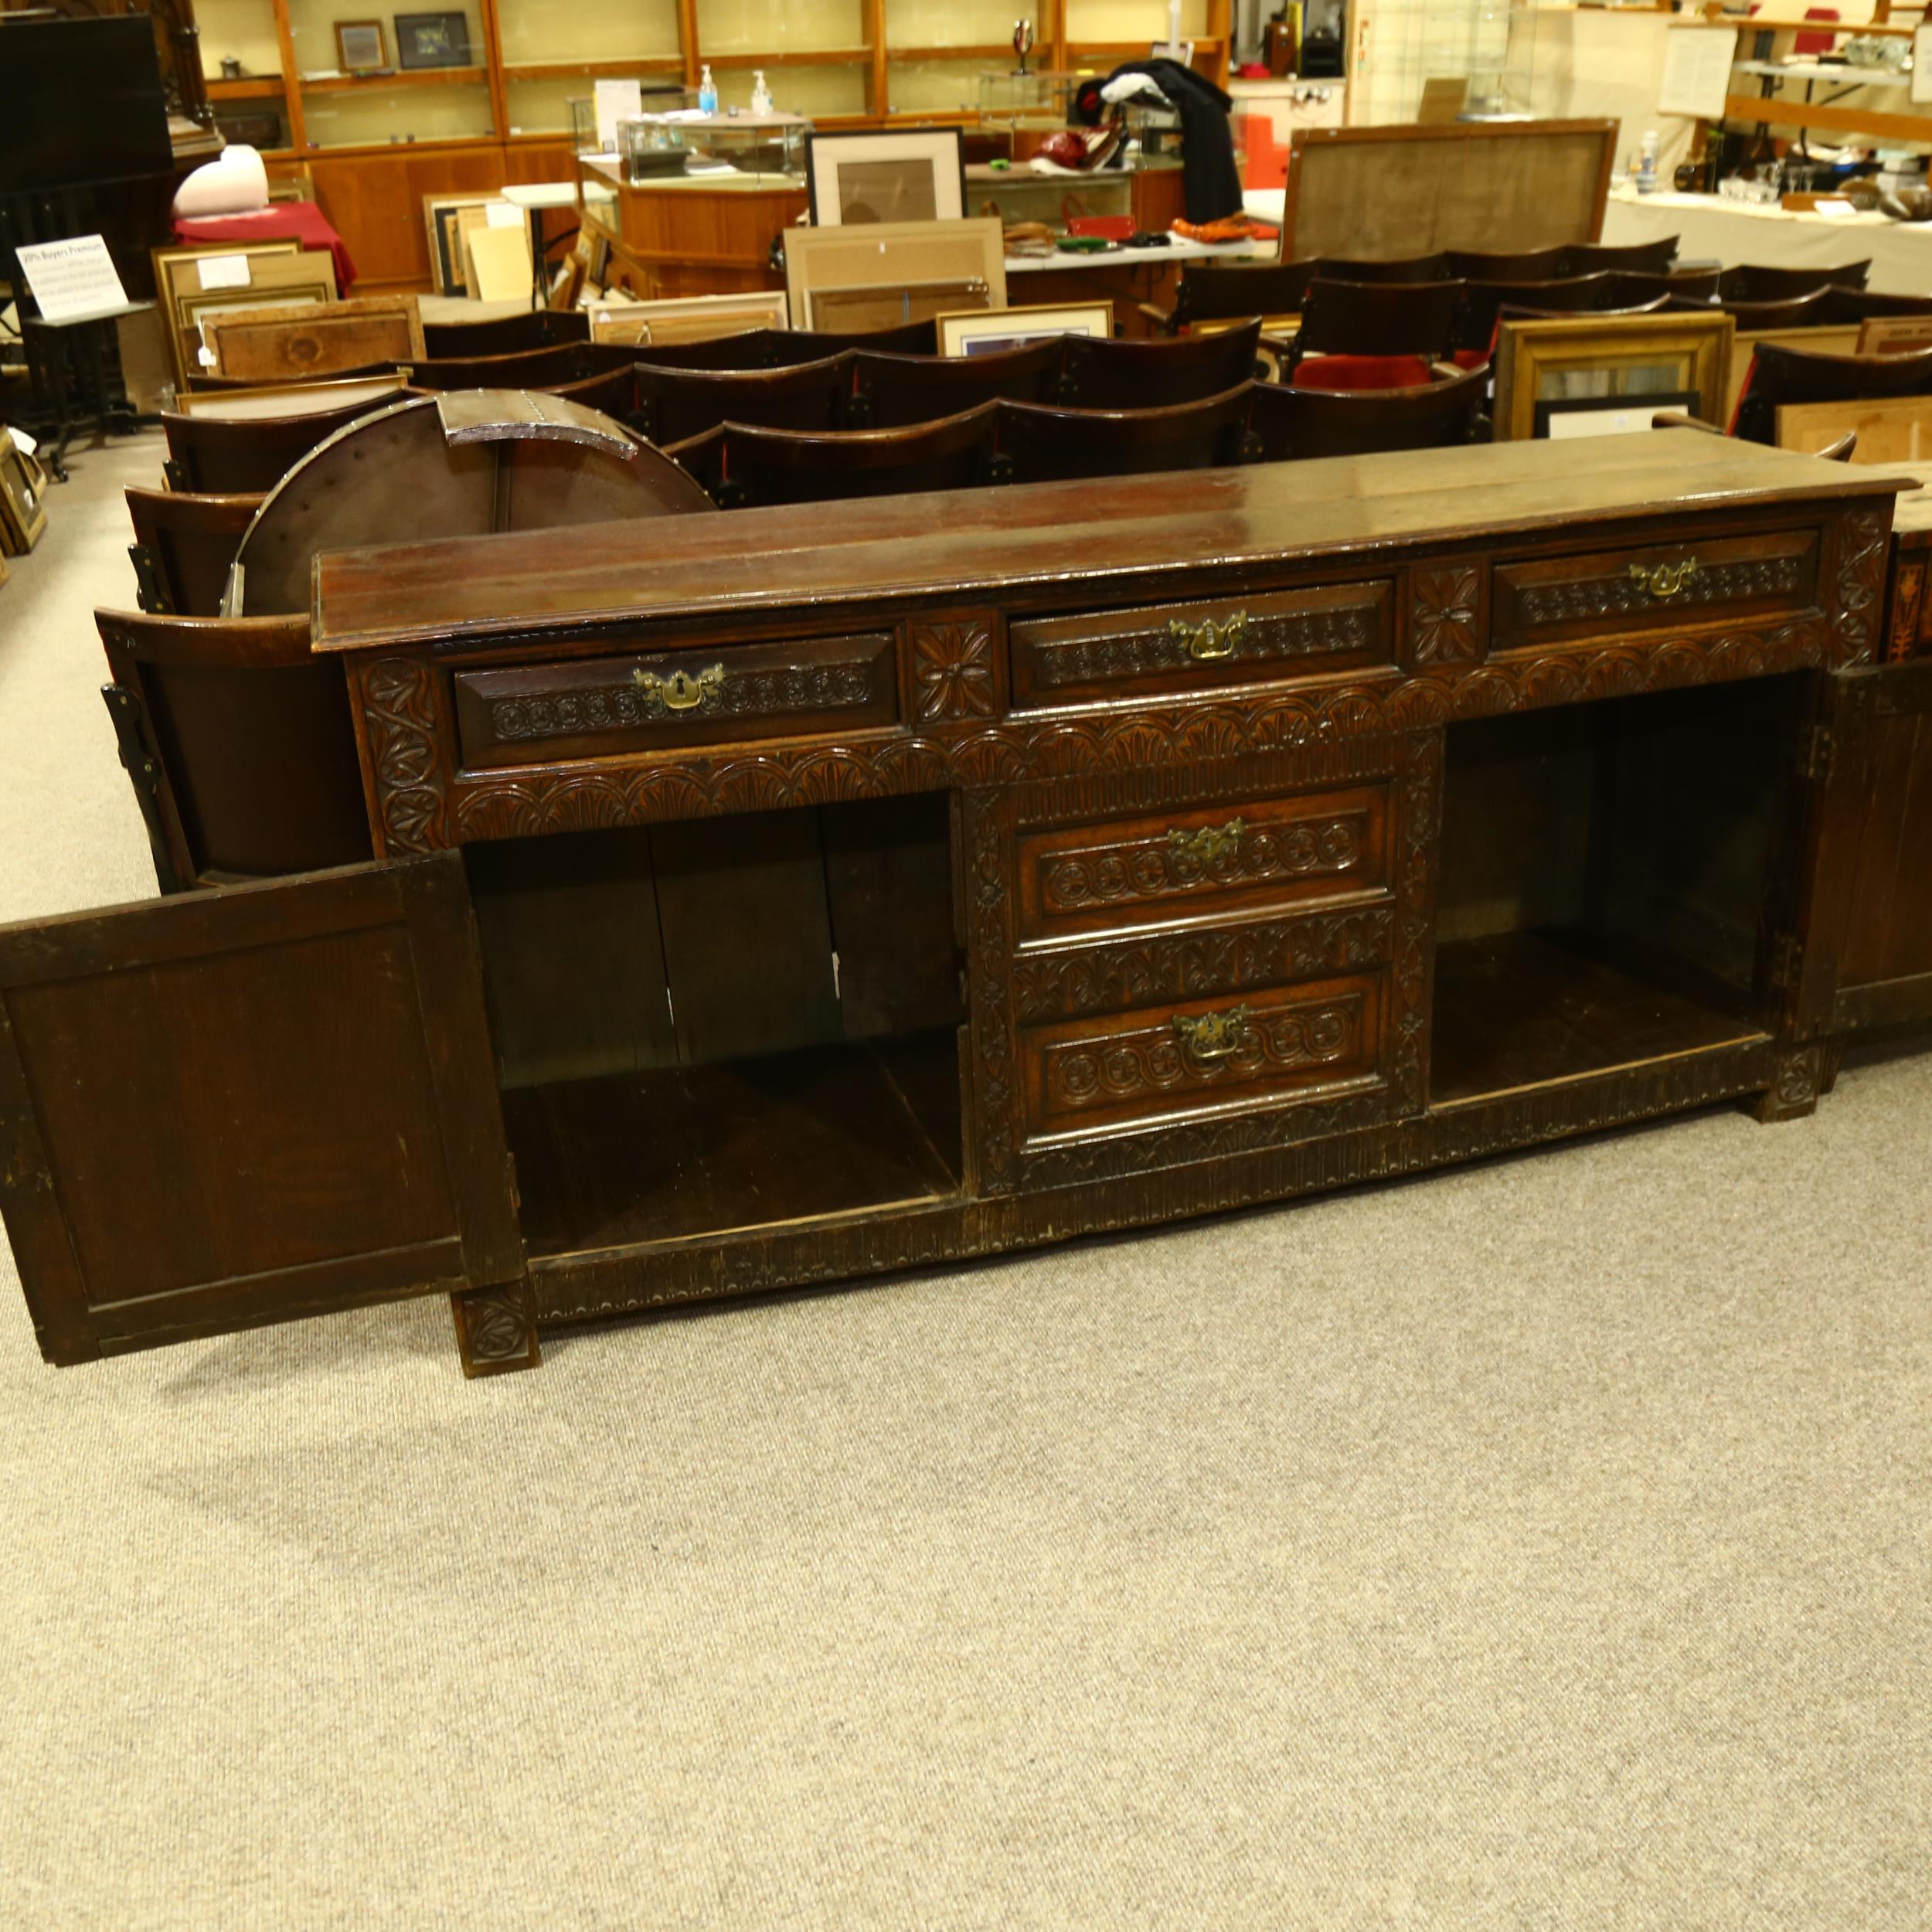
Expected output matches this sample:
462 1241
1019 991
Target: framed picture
878 275
1591 375
884 177
358 46
696 318
1894 335
1897 429
432 40
986 331
22 513
280 345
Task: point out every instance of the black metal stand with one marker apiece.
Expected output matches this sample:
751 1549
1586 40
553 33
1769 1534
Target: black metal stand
77 362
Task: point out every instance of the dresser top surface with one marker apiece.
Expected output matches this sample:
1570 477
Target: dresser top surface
985 543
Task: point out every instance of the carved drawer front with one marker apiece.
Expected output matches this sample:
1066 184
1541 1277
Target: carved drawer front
1235 640
1204 861
604 707
1657 588
1289 1043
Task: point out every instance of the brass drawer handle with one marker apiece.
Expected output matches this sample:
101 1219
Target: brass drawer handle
1208 843
1665 579
681 692
1208 639
1210 1037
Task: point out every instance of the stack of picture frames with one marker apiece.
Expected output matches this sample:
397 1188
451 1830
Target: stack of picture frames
23 499
192 284
452 221
1568 375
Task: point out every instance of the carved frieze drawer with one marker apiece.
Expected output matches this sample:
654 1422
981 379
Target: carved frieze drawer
1206 861
1203 647
1315 1040
604 707
1540 602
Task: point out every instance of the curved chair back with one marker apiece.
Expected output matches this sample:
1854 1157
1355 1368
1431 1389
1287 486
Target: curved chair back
903 339
183 545
1412 268
1527 265
1378 318
676 404
1573 295
1627 285
506 335
1779 376
1098 372
1796 311
747 348
527 369
453 465
1843 305
1218 292
893 392
225 456
1642 258
613 394
239 744
745 467
1291 423
1039 445
1757 282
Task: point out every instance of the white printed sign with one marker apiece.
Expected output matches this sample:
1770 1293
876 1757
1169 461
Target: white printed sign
615 100
73 280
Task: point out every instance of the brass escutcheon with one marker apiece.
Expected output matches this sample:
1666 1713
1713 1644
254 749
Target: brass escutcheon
1665 579
1208 844
681 692
1208 1037
1209 639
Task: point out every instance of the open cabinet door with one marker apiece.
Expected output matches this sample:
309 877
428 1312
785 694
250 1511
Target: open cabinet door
1868 955
226 1108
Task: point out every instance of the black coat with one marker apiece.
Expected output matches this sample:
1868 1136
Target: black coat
1209 177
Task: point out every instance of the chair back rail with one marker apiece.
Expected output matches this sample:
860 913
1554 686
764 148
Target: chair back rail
676 404
894 392
1039 444
183 545
1101 373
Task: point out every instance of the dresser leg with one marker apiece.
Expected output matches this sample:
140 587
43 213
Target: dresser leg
496 1329
1801 1074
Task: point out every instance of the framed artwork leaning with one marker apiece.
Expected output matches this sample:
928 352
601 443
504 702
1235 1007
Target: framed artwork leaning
882 274
183 272
1574 375
692 319
853 179
988 331
432 40
447 218
23 511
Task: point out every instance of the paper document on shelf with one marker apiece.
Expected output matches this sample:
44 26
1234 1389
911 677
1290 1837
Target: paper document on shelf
1564 423
615 100
72 280
1697 71
223 271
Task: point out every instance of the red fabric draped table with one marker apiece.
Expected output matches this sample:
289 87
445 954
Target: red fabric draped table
301 221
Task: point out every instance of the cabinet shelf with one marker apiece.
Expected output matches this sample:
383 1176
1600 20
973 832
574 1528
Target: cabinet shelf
676 1153
249 87
412 77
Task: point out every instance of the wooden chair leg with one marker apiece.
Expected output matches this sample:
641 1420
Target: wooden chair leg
496 1329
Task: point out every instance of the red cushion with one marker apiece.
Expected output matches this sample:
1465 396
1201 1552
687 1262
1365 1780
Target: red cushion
1362 372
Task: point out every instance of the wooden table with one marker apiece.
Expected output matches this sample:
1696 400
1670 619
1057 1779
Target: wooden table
796 896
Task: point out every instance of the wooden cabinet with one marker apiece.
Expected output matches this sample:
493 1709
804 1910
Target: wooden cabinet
795 896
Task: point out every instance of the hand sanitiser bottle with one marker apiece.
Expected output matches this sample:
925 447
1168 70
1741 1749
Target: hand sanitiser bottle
760 94
707 94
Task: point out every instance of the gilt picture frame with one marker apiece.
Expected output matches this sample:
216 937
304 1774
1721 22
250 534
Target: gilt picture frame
360 47
885 176
1608 372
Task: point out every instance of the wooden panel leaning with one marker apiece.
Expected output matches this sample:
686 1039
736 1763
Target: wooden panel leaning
1097 372
742 466
893 392
1293 422
1041 445
183 545
239 745
674 405
213 456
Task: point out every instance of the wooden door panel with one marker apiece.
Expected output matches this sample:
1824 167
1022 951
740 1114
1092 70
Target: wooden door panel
226 1108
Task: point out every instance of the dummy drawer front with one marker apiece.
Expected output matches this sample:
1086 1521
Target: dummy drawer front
1661 586
606 706
1199 647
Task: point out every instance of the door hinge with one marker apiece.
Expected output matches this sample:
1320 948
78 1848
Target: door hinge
1818 755
1787 961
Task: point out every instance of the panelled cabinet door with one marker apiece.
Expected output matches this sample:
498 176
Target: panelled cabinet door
227 1108
1868 955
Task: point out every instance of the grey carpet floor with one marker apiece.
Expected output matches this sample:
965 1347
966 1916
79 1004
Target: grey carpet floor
1542 1545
